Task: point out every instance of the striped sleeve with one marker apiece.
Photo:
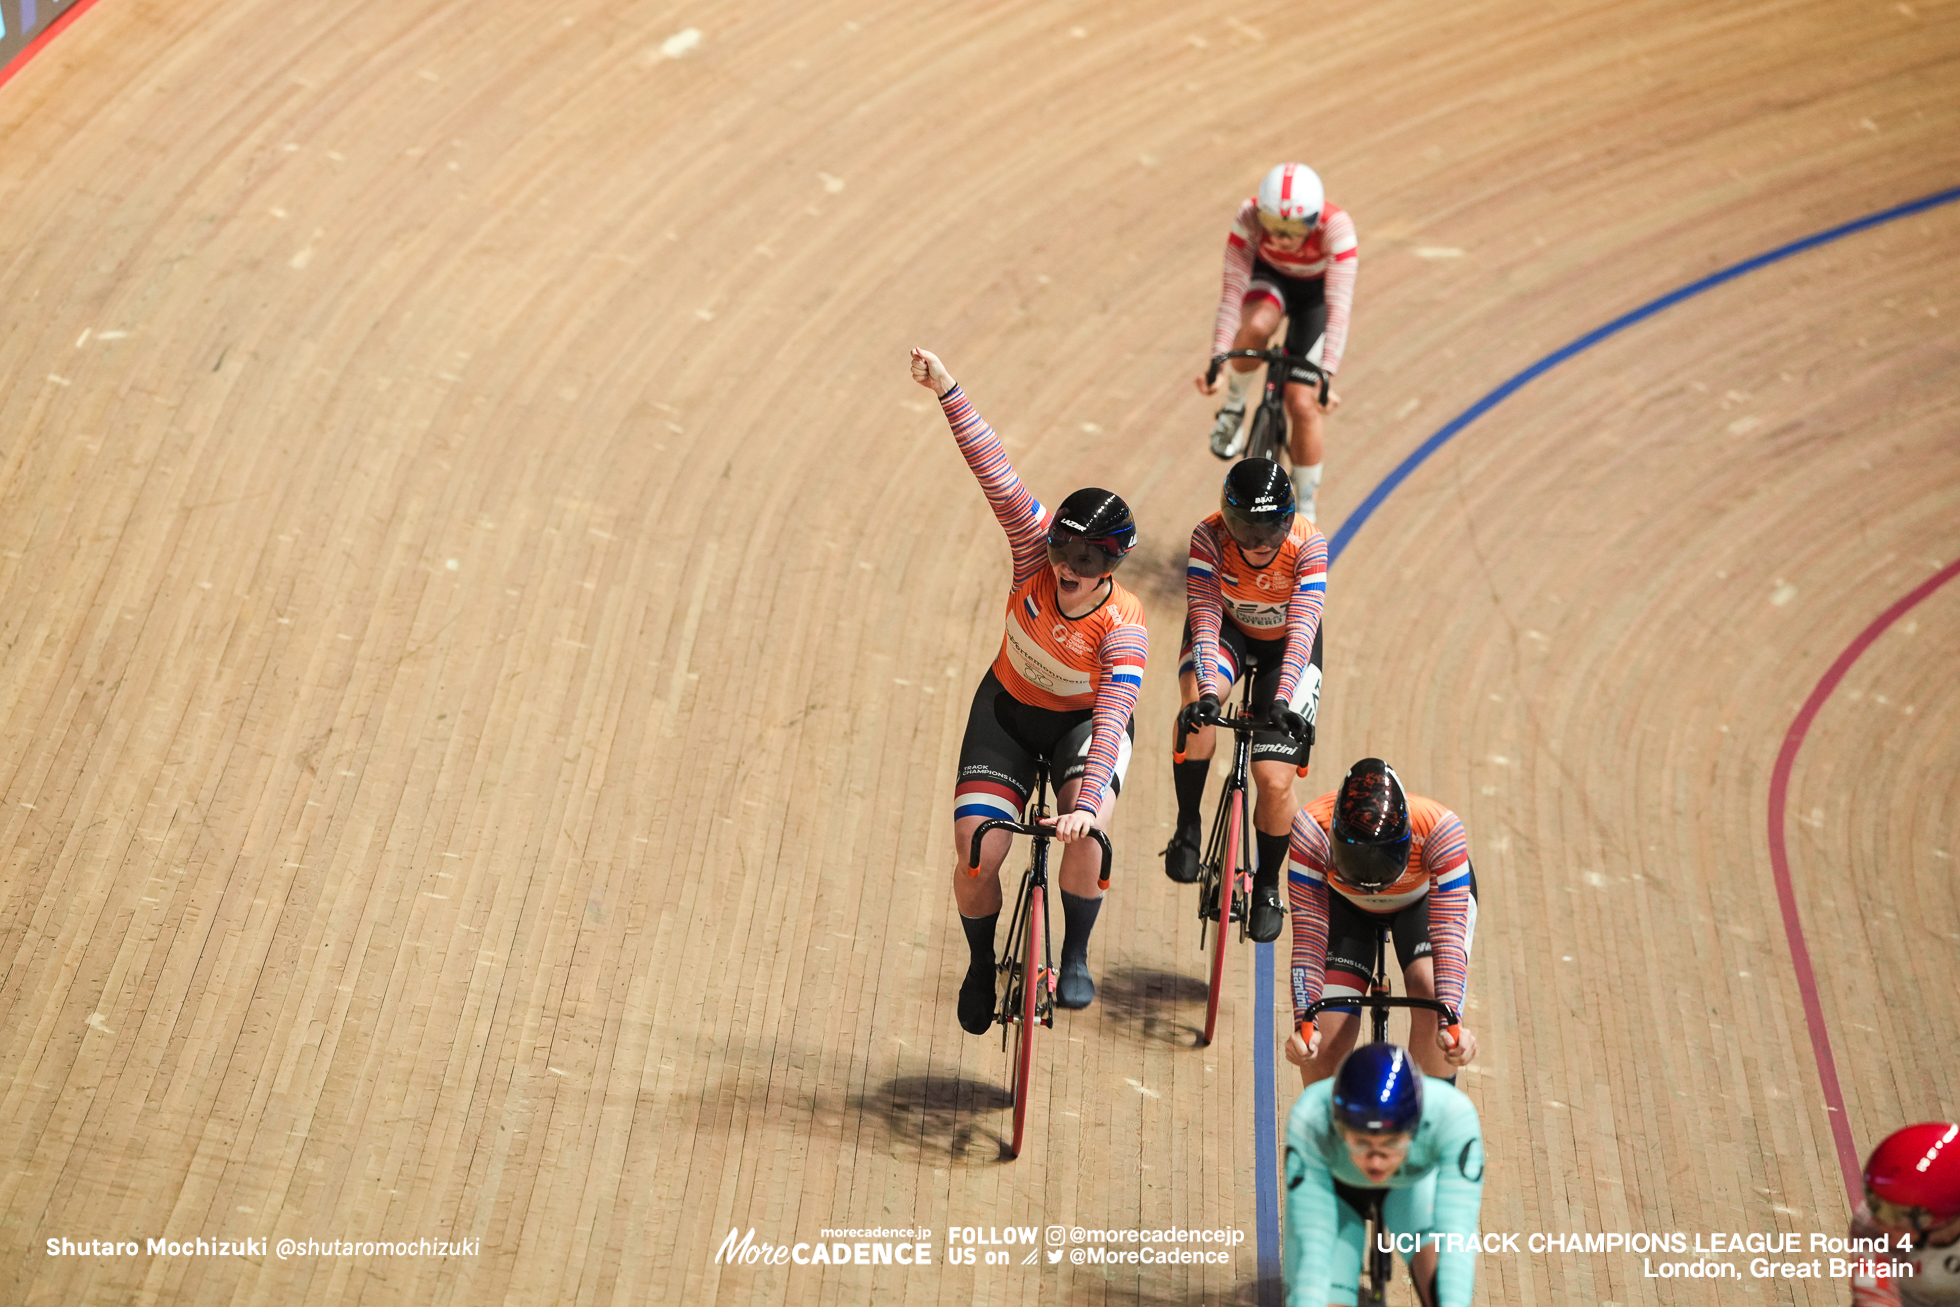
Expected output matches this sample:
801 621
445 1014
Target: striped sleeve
1303 612
1306 895
1344 261
1204 607
1312 1229
1446 856
1124 649
1869 1290
1020 514
1240 243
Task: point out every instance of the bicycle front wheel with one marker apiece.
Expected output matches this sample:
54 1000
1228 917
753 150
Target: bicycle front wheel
1381 1269
1228 876
1033 978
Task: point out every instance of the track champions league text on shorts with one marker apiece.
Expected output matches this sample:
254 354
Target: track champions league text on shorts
1708 1255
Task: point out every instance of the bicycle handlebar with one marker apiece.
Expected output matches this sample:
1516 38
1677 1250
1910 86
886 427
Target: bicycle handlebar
1039 832
1293 363
1245 722
1452 1024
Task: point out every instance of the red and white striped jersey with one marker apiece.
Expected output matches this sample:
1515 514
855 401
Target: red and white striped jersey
1048 659
1330 251
1439 865
1934 1279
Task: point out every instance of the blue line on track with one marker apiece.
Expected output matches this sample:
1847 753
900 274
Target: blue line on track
1264 1094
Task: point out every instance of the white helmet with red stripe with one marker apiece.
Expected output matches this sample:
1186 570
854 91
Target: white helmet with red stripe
1290 199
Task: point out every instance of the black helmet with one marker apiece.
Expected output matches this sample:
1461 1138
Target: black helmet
1092 532
1257 503
1371 827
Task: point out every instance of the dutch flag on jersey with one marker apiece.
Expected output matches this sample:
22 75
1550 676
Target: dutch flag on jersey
1458 879
1309 853
986 799
1127 671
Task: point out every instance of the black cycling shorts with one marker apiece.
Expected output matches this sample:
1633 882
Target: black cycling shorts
1304 301
1005 738
1239 653
1351 933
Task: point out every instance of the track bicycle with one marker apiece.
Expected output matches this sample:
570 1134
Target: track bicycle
1027 958
1379 999
1225 871
1267 435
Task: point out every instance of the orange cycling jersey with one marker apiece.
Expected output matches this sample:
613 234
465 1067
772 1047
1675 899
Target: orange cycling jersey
1439 863
1051 660
1281 600
1047 659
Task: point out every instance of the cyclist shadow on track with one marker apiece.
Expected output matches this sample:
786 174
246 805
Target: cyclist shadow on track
945 1118
1144 1004
1157 577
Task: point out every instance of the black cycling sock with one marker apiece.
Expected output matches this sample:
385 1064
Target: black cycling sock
1272 858
1189 779
1080 913
980 937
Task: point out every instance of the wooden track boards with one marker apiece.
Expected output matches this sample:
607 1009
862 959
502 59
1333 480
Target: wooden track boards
488 623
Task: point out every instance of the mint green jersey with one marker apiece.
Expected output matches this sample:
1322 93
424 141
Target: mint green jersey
1436 1192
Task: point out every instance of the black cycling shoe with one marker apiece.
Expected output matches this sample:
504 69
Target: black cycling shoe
977 999
1075 989
1267 914
1181 855
1208 906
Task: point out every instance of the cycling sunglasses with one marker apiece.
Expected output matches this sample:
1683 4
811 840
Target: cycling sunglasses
1255 536
1083 557
1917 1219
1286 228
1370 866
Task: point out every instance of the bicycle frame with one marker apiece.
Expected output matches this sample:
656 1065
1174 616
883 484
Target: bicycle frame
1267 436
1225 872
1027 959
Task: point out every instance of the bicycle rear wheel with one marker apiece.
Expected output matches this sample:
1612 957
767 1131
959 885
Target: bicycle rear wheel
1228 874
1033 978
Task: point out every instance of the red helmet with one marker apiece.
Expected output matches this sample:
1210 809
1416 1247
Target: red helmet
1912 1180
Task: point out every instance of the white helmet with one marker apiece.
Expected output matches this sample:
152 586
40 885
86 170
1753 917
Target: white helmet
1290 199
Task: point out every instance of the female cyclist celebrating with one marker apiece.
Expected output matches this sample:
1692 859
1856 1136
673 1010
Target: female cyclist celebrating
1063 687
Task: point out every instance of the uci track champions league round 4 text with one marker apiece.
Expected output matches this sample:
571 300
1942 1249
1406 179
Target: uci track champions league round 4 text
1708 1255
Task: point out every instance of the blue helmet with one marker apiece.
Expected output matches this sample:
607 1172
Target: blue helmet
1378 1090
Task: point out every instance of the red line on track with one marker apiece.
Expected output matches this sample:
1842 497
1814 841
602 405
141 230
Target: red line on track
1779 857
33 47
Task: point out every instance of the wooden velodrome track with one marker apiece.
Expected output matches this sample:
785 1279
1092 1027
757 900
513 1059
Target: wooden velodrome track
488 622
